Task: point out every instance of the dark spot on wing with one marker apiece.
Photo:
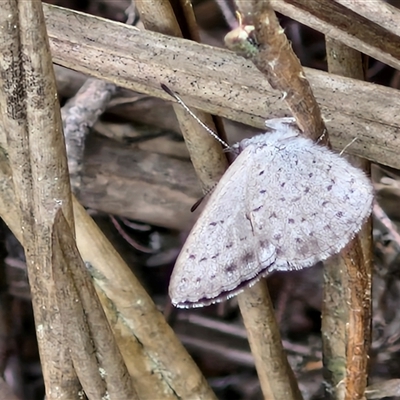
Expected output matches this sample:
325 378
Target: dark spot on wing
214 256
304 249
213 223
258 208
222 221
243 238
231 268
229 245
306 190
303 219
192 257
263 191
290 221
261 173
314 161
203 259
198 280
329 188
324 203
310 175
213 276
339 214
298 240
247 258
283 184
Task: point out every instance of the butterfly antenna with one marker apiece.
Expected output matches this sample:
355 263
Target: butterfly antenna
180 101
322 136
348 145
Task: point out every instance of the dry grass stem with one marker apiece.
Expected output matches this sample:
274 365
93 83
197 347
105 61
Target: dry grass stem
347 23
138 318
96 357
273 57
140 60
32 123
381 13
276 377
347 335
46 174
146 341
43 192
206 154
277 61
138 187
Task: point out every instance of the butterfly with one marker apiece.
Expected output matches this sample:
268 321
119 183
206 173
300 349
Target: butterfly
285 203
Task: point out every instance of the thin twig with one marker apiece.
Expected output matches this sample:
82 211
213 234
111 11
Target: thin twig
275 58
79 115
357 24
380 214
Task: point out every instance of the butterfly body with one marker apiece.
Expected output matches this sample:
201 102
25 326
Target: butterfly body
285 203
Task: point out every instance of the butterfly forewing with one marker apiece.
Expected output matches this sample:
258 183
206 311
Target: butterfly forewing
308 203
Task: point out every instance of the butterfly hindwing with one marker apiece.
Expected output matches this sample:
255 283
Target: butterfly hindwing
221 253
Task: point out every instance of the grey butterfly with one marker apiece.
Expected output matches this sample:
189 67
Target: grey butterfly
285 203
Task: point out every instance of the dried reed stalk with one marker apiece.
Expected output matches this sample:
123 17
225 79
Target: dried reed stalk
31 124
36 150
360 25
274 57
230 86
205 152
134 319
347 334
